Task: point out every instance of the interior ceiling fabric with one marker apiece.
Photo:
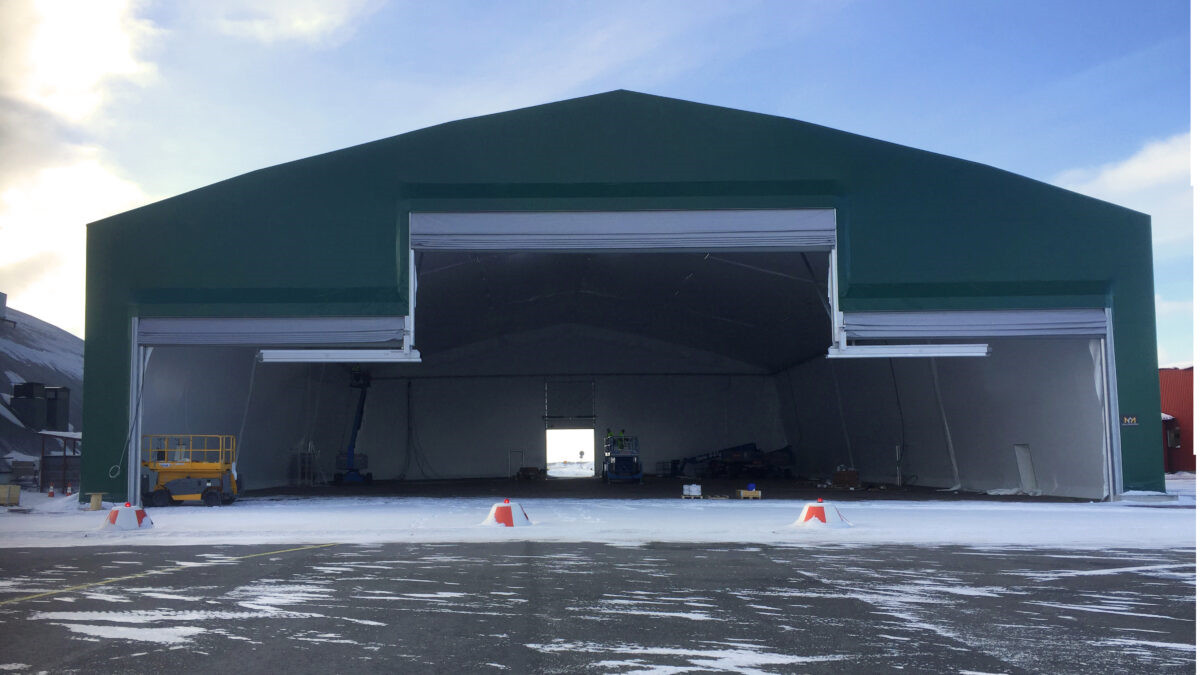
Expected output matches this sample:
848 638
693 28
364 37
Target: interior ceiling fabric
760 309
792 229
274 331
992 323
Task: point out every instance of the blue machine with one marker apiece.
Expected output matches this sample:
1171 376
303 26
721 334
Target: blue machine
360 380
622 461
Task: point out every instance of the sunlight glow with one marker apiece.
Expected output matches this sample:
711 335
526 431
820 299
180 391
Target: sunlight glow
74 48
570 452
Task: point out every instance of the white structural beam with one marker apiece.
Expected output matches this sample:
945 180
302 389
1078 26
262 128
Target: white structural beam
339 356
703 230
907 351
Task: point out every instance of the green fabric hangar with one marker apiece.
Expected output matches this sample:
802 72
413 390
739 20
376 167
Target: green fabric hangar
702 277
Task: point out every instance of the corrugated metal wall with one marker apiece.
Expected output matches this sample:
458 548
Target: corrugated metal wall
1175 386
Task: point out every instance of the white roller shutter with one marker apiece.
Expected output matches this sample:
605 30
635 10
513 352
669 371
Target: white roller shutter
975 324
790 229
274 331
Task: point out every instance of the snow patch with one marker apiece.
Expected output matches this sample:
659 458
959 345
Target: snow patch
622 522
1102 610
691 616
735 657
1061 574
7 414
1124 642
171 635
571 469
168 596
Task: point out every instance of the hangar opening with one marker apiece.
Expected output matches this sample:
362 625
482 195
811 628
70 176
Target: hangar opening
686 331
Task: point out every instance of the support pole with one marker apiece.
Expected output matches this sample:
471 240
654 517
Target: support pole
937 392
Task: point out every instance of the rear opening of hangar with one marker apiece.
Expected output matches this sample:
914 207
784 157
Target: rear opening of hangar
696 315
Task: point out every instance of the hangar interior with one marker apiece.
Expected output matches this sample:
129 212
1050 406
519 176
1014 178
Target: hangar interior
690 350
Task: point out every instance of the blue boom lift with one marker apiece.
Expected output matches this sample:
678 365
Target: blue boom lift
360 380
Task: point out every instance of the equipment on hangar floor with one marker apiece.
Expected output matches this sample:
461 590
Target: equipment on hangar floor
191 467
622 458
741 461
360 380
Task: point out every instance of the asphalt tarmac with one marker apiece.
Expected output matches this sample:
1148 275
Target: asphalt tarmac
530 607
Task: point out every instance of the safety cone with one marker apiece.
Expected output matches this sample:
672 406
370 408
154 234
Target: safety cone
68 488
507 514
51 493
127 517
821 514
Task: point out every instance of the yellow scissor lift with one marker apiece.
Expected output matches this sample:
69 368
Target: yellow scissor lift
190 467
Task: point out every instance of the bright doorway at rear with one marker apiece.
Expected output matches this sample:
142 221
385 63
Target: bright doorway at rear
570 453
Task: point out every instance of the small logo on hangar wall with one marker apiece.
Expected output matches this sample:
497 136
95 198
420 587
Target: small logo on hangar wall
1129 420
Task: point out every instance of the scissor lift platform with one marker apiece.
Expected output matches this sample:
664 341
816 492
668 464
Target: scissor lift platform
622 459
191 467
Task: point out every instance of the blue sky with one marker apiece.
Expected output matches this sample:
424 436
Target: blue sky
108 105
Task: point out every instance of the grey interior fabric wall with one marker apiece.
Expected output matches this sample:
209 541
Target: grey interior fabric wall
462 426
1038 392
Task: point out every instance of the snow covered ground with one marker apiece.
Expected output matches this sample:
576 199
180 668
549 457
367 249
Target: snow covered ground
1183 486
571 469
59 522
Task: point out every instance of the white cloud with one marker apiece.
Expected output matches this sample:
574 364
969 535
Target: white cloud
61 55
1165 307
1155 180
59 61
43 234
317 22
587 50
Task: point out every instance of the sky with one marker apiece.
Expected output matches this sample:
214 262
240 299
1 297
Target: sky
106 105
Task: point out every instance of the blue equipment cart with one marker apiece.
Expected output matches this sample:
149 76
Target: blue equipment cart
622 461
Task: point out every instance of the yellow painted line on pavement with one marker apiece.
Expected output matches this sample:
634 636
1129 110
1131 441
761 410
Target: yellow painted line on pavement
286 550
161 570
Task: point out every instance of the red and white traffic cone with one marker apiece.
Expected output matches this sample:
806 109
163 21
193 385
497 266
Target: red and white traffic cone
51 493
821 514
508 514
128 517
68 488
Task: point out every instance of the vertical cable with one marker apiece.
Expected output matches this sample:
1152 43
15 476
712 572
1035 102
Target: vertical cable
837 391
937 392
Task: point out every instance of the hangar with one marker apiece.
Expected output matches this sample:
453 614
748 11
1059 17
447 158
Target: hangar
702 276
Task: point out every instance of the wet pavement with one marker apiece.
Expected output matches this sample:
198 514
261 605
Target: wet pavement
535 607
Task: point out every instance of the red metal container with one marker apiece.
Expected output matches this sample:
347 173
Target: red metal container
1175 386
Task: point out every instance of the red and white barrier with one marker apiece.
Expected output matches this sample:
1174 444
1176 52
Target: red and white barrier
821 514
127 517
507 514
